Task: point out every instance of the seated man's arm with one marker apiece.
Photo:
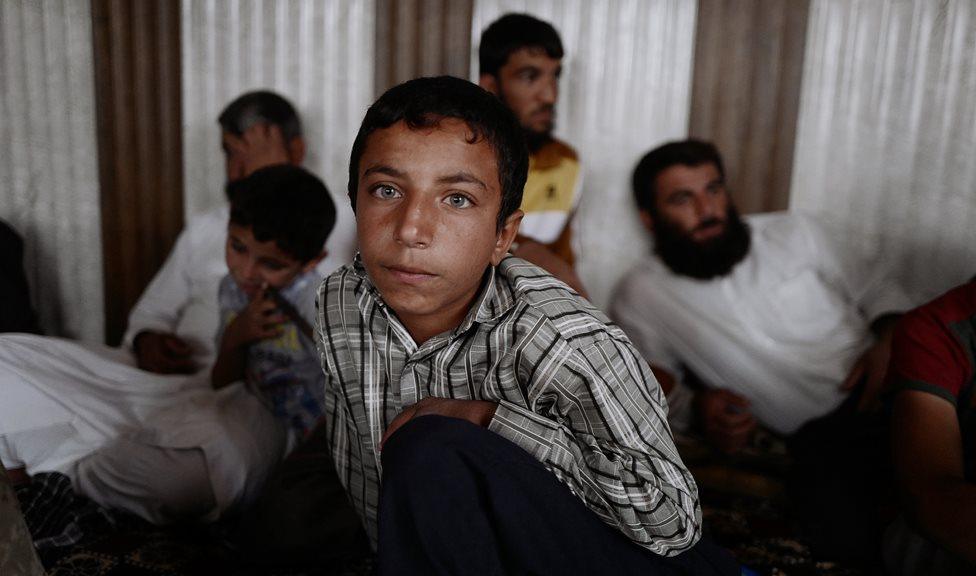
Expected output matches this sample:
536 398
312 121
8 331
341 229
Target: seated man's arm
928 458
156 314
869 286
930 367
869 370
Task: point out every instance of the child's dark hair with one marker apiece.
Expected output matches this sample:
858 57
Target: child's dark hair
511 33
689 153
424 102
286 204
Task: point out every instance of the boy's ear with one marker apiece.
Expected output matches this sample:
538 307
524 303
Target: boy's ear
505 236
489 83
308 266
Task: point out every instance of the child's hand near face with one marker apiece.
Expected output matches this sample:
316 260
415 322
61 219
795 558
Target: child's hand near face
260 320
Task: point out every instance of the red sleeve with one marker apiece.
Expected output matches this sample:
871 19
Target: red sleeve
926 354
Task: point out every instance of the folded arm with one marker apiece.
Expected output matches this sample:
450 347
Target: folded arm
599 423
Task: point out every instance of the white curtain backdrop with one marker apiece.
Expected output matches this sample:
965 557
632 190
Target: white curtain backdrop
626 88
886 145
48 159
316 53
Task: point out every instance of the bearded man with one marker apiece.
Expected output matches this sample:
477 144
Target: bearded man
780 326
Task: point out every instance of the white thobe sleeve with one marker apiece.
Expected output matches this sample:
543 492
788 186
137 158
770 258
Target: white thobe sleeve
161 304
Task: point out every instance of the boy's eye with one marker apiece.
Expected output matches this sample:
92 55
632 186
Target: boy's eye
238 247
274 266
458 201
385 192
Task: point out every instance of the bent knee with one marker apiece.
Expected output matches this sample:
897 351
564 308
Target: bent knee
159 484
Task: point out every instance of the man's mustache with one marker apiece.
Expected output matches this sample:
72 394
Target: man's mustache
704 224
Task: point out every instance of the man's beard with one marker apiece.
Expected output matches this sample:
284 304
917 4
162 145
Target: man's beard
712 258
534 141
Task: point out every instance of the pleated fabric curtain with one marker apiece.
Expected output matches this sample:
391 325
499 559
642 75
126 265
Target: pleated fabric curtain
48 159
887 134
626 88
316 53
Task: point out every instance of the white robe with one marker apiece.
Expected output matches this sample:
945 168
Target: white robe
61 401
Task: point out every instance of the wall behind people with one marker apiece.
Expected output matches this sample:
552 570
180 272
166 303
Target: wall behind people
318 54
49 188
625 88
886 146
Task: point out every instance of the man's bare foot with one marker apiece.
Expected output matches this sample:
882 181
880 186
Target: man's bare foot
18 476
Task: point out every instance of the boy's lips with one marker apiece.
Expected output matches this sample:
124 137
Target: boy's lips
409 275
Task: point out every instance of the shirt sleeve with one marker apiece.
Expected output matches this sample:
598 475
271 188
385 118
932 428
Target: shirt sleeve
161 304
630 311
340 426
600 425
926 356
868 284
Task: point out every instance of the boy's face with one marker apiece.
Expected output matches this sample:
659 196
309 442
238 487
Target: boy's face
426 211
253 264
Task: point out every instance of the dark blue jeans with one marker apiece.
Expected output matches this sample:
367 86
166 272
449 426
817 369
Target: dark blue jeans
458 499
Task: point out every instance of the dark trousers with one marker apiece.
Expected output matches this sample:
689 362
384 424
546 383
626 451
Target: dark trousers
303 517
840 481
458 499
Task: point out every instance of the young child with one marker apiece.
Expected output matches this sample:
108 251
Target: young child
279 219
483 417
171 448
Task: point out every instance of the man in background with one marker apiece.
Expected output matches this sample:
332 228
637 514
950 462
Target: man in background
521 62
171 328
781 326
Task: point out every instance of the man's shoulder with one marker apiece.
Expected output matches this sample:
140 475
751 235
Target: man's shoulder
956 306
215 218
791 232
541 299
554 153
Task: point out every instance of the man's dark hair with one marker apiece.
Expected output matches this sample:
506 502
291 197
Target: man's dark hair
511 33
424 102
684 153
257 107
286 204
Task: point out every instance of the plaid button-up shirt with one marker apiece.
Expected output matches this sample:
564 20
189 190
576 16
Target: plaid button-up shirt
570 387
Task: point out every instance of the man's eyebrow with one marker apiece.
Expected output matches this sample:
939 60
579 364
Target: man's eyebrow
385 170
462 178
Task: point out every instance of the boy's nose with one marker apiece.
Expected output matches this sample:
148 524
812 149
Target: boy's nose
415 228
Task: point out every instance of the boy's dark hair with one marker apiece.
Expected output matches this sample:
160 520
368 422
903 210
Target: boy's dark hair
685 153
422 103
261 106
511 33
286 204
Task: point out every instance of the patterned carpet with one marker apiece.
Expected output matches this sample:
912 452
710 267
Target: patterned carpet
744 506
